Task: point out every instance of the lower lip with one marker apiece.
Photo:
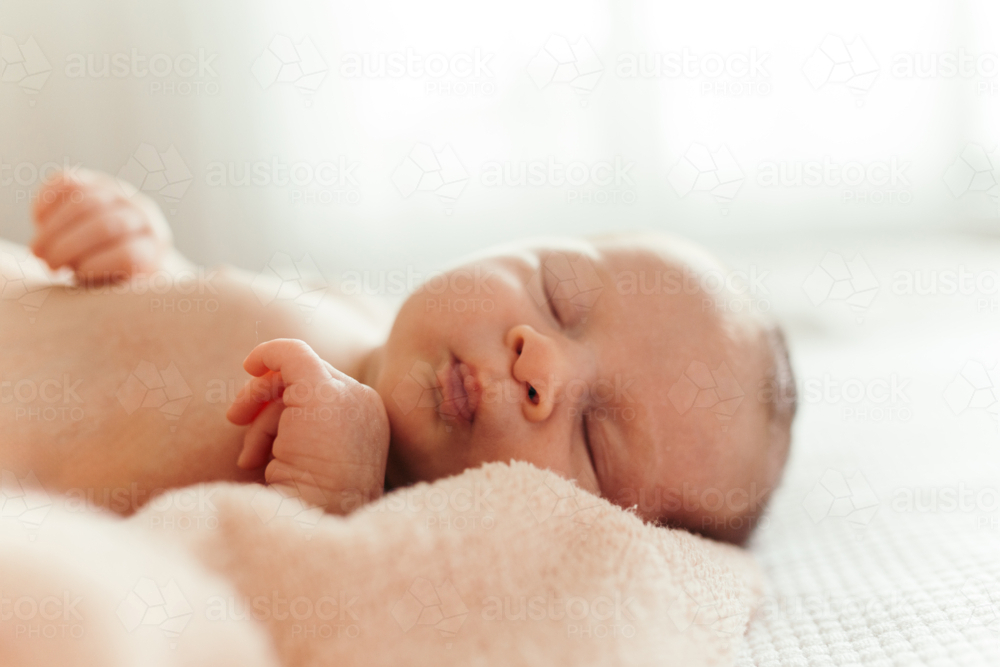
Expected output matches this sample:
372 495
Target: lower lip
459 392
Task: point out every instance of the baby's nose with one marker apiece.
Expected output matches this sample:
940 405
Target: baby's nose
540 368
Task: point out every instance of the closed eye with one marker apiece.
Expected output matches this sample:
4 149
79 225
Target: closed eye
554 310
587 443
550 300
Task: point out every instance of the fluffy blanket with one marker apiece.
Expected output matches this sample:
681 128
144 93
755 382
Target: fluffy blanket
505 564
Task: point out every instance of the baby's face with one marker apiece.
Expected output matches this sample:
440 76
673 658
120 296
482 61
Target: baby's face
571 355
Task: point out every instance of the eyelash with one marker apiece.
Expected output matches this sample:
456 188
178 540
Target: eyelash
554 311
586 442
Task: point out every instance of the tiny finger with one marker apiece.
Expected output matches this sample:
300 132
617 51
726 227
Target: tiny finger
88 201
252 398
294 358
136 254
93 233
260 437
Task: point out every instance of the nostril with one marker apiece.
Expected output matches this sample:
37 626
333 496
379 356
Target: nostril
532 394
520 346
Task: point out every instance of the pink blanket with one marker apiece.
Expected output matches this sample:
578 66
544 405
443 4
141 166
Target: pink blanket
505 564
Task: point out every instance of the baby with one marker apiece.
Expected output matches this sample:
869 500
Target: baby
604 360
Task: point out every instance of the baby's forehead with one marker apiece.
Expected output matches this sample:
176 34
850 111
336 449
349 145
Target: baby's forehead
659 261
646 311
668 255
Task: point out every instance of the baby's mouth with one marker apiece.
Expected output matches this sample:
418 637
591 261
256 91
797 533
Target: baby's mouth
460 391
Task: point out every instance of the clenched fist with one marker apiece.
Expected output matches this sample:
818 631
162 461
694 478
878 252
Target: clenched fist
322 434
88 221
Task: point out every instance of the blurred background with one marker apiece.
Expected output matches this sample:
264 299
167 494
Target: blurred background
820 150
388 134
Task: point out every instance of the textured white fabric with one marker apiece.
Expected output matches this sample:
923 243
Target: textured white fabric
905 568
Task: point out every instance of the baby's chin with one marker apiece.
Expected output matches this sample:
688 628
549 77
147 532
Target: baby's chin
397 473
412 457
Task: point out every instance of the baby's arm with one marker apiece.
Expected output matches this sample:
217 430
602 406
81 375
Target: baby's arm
323 435
88 221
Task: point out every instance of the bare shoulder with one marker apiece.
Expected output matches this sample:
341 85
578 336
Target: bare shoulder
338 325
310 293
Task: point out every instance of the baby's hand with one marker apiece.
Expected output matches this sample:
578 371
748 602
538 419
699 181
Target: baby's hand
85 220
328 434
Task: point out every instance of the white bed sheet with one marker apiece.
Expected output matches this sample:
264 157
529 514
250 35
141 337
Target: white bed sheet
882 546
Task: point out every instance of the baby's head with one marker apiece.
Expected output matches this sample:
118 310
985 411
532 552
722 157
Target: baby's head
615 361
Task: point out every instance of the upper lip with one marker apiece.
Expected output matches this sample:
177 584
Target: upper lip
460 391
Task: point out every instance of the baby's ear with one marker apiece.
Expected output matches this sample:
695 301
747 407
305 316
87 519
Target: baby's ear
780 396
